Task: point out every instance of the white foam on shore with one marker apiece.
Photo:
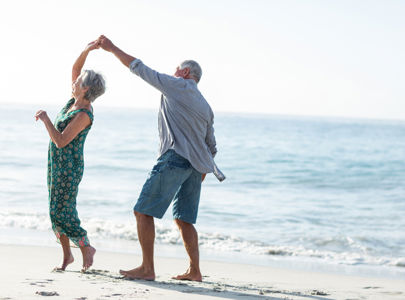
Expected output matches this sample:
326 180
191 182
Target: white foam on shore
213 242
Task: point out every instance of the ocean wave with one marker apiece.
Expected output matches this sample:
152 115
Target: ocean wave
339 258
400 262
110 230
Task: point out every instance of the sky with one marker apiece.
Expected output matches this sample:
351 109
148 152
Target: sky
315 57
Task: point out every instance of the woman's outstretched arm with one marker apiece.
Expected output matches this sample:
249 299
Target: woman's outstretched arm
78 65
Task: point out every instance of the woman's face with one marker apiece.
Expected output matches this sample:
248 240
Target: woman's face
77 89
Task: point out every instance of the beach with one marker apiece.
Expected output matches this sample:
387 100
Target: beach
27 273
312 209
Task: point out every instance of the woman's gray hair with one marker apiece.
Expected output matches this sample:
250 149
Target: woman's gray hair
95 82
195 69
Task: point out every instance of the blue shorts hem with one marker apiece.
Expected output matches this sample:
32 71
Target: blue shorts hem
147 213
185 219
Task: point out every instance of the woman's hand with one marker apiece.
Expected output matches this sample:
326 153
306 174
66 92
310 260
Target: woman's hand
61 139
92 46
41 115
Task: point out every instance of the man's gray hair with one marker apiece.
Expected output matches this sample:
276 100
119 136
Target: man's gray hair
95 82
195 69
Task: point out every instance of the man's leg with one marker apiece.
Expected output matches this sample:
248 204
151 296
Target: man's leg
190 240
158 191
146 236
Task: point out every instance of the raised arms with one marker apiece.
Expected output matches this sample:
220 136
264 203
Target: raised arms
107 45
78 65
81 120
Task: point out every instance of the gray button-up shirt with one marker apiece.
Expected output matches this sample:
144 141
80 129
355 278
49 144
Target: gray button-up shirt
185 119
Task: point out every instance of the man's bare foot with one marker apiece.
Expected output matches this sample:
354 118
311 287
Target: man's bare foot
139 273
191 274
88 255
66 261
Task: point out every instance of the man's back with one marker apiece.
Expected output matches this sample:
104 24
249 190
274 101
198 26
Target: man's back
185 118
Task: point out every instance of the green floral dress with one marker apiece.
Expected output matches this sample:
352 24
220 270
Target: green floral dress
65 171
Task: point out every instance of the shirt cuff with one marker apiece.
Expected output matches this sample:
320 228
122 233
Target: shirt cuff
134 64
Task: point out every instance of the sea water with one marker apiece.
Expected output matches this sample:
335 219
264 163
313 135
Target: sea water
301 191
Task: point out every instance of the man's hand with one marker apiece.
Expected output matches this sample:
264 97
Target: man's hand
203 177
105 43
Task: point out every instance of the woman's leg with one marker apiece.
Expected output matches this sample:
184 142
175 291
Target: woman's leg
88 256
78 236
67 253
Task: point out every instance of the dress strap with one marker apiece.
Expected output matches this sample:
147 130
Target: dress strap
68 105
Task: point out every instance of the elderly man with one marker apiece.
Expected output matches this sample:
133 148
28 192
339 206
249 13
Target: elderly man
187 149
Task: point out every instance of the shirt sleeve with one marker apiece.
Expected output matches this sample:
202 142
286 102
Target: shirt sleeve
163 82
210 138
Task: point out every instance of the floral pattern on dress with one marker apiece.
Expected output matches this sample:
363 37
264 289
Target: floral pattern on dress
65 171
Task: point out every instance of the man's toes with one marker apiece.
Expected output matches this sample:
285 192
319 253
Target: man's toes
124 273
180 277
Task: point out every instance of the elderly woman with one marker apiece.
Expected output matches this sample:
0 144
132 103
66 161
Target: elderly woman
65 158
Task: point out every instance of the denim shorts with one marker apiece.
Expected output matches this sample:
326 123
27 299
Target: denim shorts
172 177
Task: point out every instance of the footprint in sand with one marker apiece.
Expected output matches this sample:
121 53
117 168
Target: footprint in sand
42 293
113 295
319 293
36 283
392 293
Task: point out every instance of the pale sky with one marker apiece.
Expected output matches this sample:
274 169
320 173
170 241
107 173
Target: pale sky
323 58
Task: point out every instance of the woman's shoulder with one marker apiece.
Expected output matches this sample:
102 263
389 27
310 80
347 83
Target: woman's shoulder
86 111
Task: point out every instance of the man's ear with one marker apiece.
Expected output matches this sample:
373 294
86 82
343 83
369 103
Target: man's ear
186 72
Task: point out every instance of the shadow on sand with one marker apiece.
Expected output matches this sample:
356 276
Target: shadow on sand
215 288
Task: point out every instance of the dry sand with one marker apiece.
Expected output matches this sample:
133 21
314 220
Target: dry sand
26 273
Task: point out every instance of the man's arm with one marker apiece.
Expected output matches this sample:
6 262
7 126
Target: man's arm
164 83
210 139
107 45
211 142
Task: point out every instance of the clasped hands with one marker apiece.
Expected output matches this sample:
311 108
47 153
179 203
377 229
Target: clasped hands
102 42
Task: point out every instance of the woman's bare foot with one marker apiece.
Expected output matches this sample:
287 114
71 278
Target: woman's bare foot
88 255
66 261
191 274
139 273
